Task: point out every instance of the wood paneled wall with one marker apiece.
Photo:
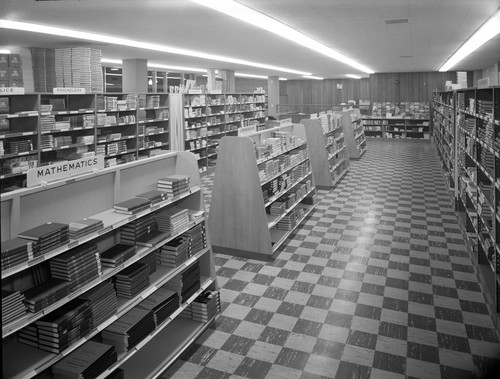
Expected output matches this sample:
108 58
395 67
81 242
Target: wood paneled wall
394 87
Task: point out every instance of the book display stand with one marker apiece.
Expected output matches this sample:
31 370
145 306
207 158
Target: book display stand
157 260
354 133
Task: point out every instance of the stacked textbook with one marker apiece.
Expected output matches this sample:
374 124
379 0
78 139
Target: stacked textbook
174 185
204 308
12 306
46 237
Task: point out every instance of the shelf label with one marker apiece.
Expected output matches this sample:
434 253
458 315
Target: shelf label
12 90
68 90
36 176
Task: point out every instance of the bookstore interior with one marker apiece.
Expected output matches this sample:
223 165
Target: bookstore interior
132 182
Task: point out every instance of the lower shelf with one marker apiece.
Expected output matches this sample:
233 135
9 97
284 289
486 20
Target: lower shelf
279 236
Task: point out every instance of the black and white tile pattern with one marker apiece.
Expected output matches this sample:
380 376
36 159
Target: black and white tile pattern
376 283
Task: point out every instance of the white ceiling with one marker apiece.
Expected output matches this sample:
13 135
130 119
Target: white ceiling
354 27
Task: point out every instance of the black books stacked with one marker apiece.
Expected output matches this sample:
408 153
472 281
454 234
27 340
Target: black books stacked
16 251
151 238
205 307
172 219
174 185
130 232
12 306
80 228
77 266
154 196
46 293
197 238
102 302
60 328
117 254
47 236
87 361
132 280
162 303
173 253
190 281
129 330
150 261
132 206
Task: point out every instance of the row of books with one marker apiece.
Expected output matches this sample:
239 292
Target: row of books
204 308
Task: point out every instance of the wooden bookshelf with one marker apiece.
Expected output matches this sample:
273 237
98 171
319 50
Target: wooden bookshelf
240 223
354 133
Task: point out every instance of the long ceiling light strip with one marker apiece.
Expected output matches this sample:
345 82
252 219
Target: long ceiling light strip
312 77
29 27
486 32
248 15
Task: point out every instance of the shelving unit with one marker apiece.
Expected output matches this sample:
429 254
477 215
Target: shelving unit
354 133
405 128
472 157
327 149
93 195
209 117
263 189
41 129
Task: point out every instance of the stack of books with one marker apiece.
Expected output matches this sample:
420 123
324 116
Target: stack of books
59 329
190 281
129 330
87 361
45 294
77 266
47 123
46 237
270 168
80 228
150 261
153 101
172 219
102 303
117 254
47 142
132 280
12 306
197 238
278 207
173 253
16 251
174 185
162 303
20 146
130 232
205 307
153 196
274 143
132 206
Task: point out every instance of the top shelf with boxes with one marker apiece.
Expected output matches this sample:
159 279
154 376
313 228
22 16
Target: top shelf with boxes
11 74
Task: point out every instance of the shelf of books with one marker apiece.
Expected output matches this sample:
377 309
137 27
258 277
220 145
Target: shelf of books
209 117
251 215
102 267
444 134
477 125
394 127
327 148
354 133
43 129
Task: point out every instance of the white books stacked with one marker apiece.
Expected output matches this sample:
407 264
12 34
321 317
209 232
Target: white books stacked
172 219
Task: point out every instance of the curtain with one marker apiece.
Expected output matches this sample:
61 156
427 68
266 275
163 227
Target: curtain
176 122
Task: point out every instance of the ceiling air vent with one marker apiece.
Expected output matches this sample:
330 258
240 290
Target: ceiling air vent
397 21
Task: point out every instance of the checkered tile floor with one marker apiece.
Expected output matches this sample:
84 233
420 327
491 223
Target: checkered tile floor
376 283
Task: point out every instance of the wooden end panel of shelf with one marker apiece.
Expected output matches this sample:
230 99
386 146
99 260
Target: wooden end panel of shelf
317 153
237 212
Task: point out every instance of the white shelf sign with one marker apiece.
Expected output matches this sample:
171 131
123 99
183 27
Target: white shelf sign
12 90
68 90
64 170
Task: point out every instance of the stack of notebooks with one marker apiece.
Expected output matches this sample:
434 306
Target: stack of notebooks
102 303
162 303
132 206
12 306
46 293
204 308
46 237
59 329
80 228
154 196
174 185
117 254
132 280
173 253
129 330
130 232
77 266
172 219
87 361
16 251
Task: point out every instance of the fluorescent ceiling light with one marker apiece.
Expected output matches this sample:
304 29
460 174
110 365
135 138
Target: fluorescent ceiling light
248 15
2 51
250 76
486 32
177 68
28 27
283 79
353 76
312 77
114 61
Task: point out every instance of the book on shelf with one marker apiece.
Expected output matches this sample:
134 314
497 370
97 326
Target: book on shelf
47 236
87 225
133 279
46 293
117 254
132 205
162 303
155 196
151 238
12 306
